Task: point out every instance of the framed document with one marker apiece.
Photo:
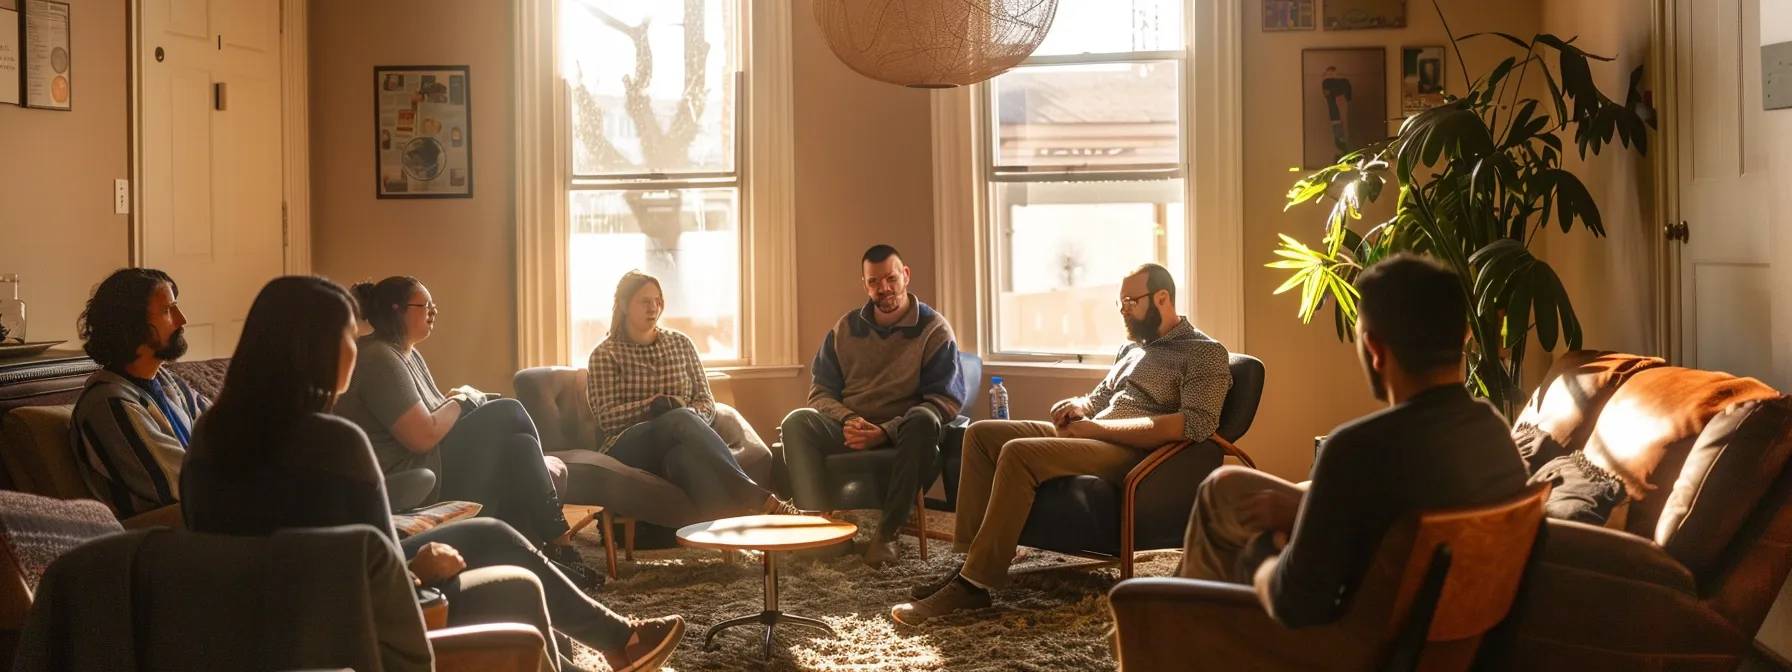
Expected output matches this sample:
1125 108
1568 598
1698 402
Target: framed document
49 64
9 57
423 132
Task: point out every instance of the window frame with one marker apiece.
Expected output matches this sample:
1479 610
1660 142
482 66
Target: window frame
1211 159
763 167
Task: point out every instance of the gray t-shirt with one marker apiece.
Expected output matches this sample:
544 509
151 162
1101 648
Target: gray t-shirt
385 385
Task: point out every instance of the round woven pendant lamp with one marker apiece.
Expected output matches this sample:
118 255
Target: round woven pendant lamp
934 44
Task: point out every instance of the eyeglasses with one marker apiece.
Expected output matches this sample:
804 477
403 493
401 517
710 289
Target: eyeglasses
426 306
1127 302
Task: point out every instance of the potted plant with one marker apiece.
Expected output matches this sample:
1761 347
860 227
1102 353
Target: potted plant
1477 180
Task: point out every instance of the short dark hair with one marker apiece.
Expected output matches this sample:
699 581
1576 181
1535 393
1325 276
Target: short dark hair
383 305
1156 278
879 254
1416 306
116 319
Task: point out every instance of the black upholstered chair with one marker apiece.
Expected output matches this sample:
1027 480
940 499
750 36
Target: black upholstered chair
858 479
1090 517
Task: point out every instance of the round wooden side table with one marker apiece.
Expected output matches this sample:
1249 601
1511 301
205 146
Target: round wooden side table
767 534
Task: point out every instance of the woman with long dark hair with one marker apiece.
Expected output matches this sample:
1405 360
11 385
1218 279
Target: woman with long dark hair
651 399
481 450
268 456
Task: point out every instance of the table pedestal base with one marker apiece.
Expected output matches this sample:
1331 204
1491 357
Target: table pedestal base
770 617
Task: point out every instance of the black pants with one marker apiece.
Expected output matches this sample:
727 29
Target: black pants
493 457
680 447
485 542
810 437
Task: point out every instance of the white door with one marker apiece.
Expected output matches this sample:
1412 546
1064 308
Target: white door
1726 284
211 181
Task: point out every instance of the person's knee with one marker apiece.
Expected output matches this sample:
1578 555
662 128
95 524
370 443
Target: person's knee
920 423
982 435
1019 454
801 427
488 533
1229 481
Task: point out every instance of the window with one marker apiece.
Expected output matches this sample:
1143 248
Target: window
1085 172
654 97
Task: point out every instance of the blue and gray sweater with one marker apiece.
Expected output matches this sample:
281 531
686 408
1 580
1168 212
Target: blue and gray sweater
881 373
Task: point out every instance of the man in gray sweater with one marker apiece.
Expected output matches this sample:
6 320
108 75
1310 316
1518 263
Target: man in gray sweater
886 377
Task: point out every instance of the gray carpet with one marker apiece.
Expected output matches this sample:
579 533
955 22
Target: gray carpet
1051 616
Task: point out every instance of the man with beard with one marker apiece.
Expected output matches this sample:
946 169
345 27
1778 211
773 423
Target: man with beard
886 377
1166 385
133 419
1305 547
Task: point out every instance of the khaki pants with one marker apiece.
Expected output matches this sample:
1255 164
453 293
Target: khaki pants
1004 461
1215 535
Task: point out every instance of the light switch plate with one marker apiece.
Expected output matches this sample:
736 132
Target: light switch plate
121 197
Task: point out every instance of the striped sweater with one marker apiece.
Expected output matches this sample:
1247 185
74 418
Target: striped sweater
130 448
881 373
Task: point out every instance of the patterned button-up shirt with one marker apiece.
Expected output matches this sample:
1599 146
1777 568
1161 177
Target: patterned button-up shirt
1184 372
625 377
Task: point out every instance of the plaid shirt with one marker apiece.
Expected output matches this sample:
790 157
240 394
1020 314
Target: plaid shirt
1184 372
625 377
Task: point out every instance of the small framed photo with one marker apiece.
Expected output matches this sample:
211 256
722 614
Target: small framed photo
1280 15
48 67
1345 102
1364 14
1421 79
423 132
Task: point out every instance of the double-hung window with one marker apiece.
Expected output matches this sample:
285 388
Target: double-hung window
1084 176
655 96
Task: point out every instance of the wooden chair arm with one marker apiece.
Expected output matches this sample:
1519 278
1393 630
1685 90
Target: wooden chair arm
494 647
1130 494
1235 451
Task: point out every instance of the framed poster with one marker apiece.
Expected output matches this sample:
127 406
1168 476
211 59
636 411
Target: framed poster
1364 14
1281 15
1421 79
9 57
423 132
48 71
1345 102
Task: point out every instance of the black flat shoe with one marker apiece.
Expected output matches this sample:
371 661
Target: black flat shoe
568 561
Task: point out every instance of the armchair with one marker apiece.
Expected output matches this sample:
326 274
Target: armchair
1090 517
1439 584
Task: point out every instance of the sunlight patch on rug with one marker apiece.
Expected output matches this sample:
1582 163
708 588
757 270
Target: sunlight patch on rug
866 644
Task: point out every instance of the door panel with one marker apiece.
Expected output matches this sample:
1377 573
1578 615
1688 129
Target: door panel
188 18
1725 266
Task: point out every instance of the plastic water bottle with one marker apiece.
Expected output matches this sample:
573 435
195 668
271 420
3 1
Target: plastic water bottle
998 400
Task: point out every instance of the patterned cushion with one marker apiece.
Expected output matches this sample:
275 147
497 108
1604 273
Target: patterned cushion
432 516
36 530
206 376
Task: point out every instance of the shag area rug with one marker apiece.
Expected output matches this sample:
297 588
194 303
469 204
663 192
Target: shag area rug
1053 614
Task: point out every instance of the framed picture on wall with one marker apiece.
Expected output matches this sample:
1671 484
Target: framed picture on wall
1364 14
47 69
1344 102
1421 79
423 131
1279 15
10 87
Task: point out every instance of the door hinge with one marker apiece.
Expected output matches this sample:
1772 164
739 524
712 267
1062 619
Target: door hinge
285 227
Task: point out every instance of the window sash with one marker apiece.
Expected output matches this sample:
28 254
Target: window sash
741 96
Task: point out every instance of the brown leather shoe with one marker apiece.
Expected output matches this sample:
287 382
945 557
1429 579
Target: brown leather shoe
954 597
881 553
923 592
649 647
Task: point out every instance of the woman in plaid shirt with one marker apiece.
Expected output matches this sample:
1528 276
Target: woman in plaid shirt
651 400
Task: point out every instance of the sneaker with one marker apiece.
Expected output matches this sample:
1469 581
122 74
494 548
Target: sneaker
569 562
781 507
956 596
925 591
649 647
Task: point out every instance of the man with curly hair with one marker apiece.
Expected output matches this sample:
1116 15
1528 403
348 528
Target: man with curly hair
133 419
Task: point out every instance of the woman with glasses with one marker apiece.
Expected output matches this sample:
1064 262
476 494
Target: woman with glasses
651 400
268 457
481 449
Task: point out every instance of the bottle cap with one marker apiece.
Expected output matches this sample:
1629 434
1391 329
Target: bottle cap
997 380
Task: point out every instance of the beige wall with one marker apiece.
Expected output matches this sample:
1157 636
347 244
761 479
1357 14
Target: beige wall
57 230
462 249
1611 280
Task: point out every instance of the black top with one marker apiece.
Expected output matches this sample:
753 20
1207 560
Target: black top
1335 87
322 475
1439 450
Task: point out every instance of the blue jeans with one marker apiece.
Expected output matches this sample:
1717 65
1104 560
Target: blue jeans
680 447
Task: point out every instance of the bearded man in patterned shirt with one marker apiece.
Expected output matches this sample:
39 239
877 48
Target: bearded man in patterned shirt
1166 385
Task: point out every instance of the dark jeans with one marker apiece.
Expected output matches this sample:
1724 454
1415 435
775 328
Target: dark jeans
680 447
810 437
493 457
487 542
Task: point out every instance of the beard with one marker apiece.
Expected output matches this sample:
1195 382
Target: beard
1146 328
175 348
889 303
